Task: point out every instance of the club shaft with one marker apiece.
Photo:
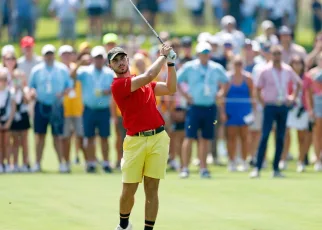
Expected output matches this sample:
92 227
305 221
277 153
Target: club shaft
146 21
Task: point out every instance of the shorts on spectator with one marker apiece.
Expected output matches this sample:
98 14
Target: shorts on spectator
199 12
96 119
95 11
148 5
45 115
67 30
297 119
23 124
73 125
258 121
200 118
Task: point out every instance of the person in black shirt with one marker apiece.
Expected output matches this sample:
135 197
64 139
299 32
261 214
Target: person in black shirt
186 46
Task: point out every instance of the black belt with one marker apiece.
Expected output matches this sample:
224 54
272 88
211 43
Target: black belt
150 132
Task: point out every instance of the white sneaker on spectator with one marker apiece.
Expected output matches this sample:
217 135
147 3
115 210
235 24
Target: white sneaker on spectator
300 167
282 165
232 166
254 174
243 167
15 169
36 168
184 174
264 166
318 166
24 169
173 165
62 168
210 159
1 169
129 227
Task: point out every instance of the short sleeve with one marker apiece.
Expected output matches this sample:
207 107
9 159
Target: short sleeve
183 74
81 73
32 80
260 83
223 78
307 82
121 88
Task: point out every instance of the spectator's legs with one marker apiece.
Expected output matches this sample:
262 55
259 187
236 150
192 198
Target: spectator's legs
15 136
203 146
80 146
58 147
243 132
90 150
231 137
317 138
186 152
7 148
287 143
105 148
176 142
98 26
254 139
280 134
66 142
25 147
269 116
40 144
304 140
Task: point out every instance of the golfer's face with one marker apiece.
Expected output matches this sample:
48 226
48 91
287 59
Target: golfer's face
120 64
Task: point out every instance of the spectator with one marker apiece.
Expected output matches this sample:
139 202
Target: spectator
196 8
233 8
238 109
228 25
84 47
249 55
7 49
218 9
110 40
20 125
276 12
95 10
248 10
314 104
203 78
7 111
49 81
272 93
268 35
289 47
149 9
298 119
65 12
317 15
96 81
186 44
124 16
24 18
167 9
73 110
218 51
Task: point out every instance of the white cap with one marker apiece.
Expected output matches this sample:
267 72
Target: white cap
48 48
267 24
7 49
256 46
98 50
227 20
215 40
65 49
204 37
203 46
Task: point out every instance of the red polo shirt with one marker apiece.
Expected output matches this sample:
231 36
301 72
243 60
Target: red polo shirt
138 108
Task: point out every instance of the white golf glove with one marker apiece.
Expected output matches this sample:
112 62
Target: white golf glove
172 57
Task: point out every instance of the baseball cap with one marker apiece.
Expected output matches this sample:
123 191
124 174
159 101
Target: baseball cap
110 38
204 37
203 47
27 41
98 51
186 41
215 40
267 24
227 20
7 49
83 46
284 30
114 52
49 48
65 49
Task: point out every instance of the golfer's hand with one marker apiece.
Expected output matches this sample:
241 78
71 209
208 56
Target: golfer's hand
172 57
165 50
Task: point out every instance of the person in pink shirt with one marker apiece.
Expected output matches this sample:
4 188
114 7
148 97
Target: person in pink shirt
272 93
313 96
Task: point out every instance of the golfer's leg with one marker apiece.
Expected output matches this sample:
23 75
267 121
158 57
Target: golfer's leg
151 187
127 202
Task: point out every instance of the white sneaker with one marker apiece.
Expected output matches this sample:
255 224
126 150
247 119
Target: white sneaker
232 166
300 167
62 168
15 169
129 227
243 167
184 174
1 169
36 168
174 165
24 169
210 159
282 165
318 166
254 174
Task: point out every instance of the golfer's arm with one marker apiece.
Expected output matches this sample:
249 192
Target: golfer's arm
170 86
149 75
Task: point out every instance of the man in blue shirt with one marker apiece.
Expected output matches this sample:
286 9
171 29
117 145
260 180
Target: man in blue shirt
96 81
48 81
204 78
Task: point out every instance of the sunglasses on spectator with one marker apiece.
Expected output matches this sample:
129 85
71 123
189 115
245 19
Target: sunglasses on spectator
10 59
277 53
238 63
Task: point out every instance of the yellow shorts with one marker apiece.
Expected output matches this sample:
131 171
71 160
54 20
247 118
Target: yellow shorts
145 156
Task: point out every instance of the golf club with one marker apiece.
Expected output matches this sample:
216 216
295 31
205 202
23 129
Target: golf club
155 33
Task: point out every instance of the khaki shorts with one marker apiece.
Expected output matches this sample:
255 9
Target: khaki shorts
73 124
145 156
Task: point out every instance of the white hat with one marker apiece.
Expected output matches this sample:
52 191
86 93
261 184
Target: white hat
256 46
65 49
7 49
204 37
203 46
97 51
267 25
227 20
215 40
48 49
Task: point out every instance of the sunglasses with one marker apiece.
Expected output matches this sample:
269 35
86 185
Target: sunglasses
10 59
277 53
238 63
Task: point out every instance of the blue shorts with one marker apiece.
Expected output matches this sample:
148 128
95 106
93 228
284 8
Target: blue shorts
96 118
200 118
95 11
46 114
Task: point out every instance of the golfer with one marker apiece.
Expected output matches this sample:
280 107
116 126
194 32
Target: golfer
146 145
